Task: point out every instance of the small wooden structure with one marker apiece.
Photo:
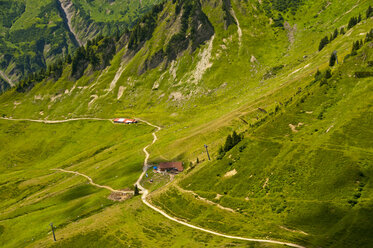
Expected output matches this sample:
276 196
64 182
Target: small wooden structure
125 121
171 166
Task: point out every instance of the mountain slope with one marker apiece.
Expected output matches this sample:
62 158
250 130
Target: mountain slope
36 34
201 70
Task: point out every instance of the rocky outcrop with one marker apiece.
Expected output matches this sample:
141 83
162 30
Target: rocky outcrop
154 61
228 17
194 19
202 29
81 28
66 10
193 29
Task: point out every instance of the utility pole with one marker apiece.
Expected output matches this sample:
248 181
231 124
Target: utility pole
54 237
207 151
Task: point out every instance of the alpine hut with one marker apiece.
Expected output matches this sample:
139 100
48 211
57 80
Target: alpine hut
125 121
171 166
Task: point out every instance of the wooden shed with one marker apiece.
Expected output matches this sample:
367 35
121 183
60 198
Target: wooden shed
171 166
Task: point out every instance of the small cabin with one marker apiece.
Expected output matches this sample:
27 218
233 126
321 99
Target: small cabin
171 166
125 121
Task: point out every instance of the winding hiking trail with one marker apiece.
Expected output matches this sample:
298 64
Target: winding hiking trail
202 198
56 121
145 192
94 184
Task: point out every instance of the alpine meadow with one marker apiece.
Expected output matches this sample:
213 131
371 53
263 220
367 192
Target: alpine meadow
186 123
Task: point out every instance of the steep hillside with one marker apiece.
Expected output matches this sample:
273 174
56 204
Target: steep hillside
303 170
35 34
292 78
87 19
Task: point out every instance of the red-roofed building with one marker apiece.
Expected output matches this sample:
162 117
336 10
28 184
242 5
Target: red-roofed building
125 121
171 166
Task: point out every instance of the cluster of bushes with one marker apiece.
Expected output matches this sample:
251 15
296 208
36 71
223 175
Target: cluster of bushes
284 5
363 74
369 12
281 5
352 22
322 77
326 40
278 21
53 71
97 52
273 71
230 142
10 11
357 195
356 45
355 20
275 8
144 29
369 36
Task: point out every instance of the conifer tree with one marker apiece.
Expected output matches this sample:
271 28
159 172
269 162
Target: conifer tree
352 22
369 12
228 143
68 59
324 41
235 138
342 31
318 75
221 150
335 34
333 58
328 74
369 36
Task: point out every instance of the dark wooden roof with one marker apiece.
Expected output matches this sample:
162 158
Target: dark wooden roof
171 165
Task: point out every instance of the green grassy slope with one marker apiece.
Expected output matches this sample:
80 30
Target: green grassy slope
316 179
311 186
32 193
